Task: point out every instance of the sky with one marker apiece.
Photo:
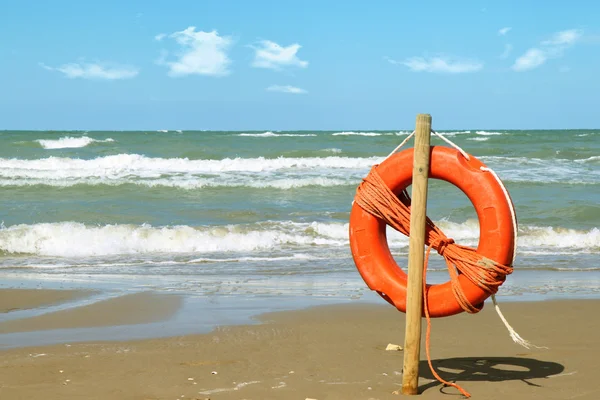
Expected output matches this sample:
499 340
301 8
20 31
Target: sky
301 65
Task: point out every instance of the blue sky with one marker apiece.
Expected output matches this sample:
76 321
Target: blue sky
277 65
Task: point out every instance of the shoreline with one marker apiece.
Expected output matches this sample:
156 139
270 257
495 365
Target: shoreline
325 352
116 315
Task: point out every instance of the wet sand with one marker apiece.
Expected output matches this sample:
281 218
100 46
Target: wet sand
328 352
135 308
24 299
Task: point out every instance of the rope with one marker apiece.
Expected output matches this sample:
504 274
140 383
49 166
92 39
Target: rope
451 143
428 335
401 144
375 197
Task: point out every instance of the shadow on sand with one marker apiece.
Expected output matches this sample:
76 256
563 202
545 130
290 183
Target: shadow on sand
487 369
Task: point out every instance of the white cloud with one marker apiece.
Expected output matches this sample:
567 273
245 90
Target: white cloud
439 64
564 38
286 89
532 58
160 37
95 71
269 54
507 49
201 53
504 30
551 48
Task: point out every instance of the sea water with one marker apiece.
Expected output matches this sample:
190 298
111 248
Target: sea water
265 214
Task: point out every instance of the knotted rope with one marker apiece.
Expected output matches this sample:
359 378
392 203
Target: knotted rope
376 198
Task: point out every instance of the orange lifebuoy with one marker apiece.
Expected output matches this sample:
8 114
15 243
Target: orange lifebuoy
494 209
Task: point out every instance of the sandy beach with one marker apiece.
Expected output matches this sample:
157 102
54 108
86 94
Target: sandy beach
325 352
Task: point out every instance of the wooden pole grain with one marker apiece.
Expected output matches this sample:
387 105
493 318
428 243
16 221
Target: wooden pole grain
414 300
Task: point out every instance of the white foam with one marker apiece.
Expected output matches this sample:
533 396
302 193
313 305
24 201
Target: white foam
356 134
26 264
187 183
73 239
479 139
281 172
485 133
271 134
253 259
333 150
454 133
523 169
588 160
128 166
560 238
70 142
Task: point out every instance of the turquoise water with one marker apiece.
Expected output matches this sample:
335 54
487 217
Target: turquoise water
266 213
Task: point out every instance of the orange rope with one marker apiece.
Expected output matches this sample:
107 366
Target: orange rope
376 198
428 334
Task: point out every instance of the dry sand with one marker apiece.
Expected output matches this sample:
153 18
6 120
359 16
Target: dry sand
329 352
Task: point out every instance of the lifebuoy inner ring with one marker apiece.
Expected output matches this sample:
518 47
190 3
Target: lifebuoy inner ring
497 224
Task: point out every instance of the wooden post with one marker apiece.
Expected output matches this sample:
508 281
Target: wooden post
414 294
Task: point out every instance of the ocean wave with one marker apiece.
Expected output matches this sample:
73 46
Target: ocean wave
187 183
560 238
523 169
589 159
485 133
454 133
479 139
280 172
128 165
271 134
70 142
74 239
148 261
356 134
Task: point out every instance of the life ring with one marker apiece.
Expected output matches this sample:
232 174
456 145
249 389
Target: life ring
497 222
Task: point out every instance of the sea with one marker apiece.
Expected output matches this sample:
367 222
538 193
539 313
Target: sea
255 217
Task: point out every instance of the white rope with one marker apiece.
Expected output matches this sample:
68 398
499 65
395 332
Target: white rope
513 334
451 143
457 147
512 210
400 145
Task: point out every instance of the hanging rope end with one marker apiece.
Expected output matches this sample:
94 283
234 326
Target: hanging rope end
513 333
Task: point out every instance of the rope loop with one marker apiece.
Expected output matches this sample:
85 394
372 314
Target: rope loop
441 244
